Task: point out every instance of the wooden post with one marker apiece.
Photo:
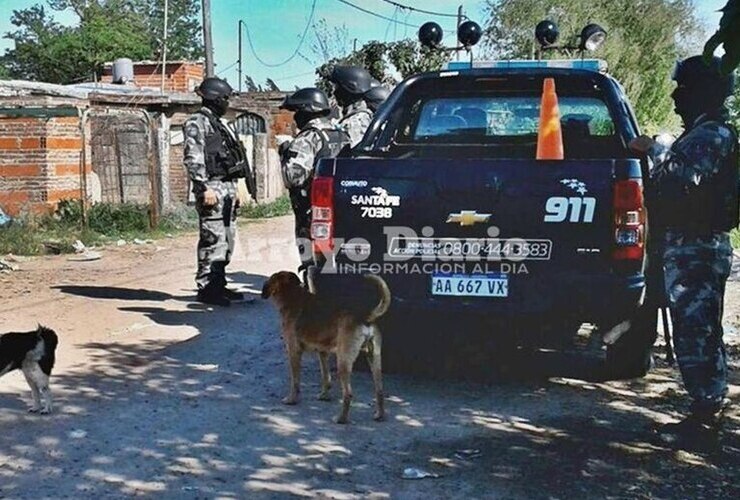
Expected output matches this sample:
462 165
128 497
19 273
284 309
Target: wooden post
240 54
207 39
164 45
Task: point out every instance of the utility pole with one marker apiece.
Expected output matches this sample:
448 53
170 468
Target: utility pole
240 54
354 45
207 39
459 22
164 45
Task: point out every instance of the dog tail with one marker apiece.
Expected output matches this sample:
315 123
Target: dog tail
385 298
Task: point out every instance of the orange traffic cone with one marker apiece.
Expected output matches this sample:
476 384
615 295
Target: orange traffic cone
550 135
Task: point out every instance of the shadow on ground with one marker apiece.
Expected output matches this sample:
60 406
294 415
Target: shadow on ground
202 418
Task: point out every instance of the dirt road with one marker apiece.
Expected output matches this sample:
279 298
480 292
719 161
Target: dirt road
157 396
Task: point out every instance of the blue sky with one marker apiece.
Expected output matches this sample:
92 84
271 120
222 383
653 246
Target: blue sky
276 27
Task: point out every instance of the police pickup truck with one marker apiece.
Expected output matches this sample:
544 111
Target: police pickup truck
447 200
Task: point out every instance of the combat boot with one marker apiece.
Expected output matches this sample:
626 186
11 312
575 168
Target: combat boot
698 431
235 296
213 297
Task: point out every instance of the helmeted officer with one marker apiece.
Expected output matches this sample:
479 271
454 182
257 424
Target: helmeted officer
317 138
376 96
695 205
351 83
214 159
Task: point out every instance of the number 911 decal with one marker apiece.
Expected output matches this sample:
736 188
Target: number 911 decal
571 208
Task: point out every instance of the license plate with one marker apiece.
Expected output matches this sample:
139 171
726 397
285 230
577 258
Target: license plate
475 285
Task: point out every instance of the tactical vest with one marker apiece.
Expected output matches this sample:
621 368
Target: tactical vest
222 154
711 206
332 142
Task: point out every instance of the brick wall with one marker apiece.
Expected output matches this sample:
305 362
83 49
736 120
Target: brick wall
179 76
39 162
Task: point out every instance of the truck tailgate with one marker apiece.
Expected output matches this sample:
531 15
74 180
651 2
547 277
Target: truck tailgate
516 232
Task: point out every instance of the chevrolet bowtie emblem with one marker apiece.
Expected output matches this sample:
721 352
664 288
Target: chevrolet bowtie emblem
467 218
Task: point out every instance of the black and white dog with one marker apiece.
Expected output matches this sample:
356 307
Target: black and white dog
33 353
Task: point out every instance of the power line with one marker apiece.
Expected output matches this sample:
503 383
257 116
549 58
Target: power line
414 9
380 16
295 52
375 14
227 68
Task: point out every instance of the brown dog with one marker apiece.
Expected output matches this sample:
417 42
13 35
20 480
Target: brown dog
319 323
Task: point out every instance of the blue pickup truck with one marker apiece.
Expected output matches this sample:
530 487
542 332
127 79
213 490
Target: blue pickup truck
446 200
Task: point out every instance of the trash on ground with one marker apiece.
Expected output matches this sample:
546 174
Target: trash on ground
53 246
121 243
137 241
7 266
79 246
468 454
414 473
5 219
86 257
78 434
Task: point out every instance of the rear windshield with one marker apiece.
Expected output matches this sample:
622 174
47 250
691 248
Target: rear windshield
498 117
466 119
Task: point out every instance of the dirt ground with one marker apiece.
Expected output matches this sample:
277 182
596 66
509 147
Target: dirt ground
158 396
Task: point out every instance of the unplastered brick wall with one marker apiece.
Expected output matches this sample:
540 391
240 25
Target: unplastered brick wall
179 76
39 162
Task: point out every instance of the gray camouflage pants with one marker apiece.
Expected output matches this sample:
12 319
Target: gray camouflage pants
696 270
217 235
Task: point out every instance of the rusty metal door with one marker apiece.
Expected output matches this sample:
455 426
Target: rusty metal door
120 157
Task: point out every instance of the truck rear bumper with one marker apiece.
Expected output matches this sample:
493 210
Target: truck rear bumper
602 299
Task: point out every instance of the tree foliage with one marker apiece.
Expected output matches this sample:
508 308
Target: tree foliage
108 29
386 61
46 51
645 38
184 40
728 35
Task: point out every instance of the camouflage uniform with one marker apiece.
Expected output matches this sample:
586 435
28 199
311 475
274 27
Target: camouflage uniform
217 223
697 252
356 120
298 162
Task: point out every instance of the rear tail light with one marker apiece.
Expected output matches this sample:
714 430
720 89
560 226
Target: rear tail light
322 215
629 220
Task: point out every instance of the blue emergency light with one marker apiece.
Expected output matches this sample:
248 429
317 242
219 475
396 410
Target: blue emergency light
597 65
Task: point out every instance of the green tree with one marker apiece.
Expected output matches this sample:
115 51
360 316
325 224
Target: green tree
184 34
385 61
645 37
46 51
107 30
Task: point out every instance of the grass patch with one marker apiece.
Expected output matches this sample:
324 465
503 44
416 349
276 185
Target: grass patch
276 208
735 238
107 223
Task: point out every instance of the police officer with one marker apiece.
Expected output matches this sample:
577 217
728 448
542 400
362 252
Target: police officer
214 159
695 205
351 84
317 138
376 96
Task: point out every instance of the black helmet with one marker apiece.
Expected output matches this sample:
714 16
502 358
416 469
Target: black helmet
352 79
311 100
213 88
376 96
696 74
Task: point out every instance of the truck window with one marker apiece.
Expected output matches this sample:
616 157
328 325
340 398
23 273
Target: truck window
463 119
497 116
